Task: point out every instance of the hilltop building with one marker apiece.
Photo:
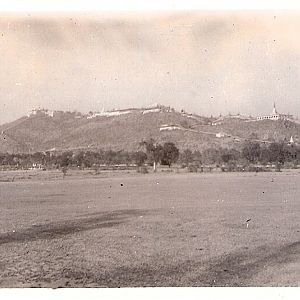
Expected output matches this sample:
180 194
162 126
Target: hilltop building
154 108
112 113
275 116
35 112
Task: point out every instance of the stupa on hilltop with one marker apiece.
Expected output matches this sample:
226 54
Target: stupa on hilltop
275 115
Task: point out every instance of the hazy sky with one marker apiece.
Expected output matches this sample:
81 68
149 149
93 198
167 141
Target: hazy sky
203 62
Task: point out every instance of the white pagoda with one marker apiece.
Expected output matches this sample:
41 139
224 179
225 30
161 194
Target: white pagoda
275 115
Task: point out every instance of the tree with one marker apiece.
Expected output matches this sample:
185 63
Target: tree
38 157
211 156
251 151
64 171
96 168
154 152
229 155
89 159
197 157
187 157
78 159
65 160
277 152
109 157
226 157
170 154
265 156
125 157
297 155
139 158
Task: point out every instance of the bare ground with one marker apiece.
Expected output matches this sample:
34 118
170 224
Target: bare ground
152 230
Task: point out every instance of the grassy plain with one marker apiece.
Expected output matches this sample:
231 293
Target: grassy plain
126 230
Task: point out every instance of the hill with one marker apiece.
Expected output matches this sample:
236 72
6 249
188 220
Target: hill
125 129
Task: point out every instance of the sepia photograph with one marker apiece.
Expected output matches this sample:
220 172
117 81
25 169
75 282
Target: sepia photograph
149 148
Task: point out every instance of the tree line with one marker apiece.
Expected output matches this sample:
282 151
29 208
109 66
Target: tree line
249 153
152 153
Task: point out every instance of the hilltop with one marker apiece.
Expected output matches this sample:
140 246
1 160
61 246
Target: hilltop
43 130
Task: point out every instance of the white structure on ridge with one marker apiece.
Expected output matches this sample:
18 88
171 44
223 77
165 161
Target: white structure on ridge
35 111
221 134
156 108
112 113
275 116
169 127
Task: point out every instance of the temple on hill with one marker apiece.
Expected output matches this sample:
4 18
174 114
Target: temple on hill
275 115
36 111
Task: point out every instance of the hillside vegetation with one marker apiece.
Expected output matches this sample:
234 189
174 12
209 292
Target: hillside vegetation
68 131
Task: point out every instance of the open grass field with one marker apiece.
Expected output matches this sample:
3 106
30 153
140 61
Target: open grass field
151 230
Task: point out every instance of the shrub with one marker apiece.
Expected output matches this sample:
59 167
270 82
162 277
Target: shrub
142 170
192 168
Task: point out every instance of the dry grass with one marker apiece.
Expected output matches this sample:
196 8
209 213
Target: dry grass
153 230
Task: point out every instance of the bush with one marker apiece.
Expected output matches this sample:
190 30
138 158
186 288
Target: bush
192 168
256 169
278 167
64 171
142 170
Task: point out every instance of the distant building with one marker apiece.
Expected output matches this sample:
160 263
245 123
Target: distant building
187 115
153 110
275 116
112 113
35 112
36 166
156 108
220 135
166 127
49 113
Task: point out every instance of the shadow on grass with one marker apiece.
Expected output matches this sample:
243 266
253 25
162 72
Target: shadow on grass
60 229
236 269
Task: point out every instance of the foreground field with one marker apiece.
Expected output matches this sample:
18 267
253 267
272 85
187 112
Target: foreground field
151 230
